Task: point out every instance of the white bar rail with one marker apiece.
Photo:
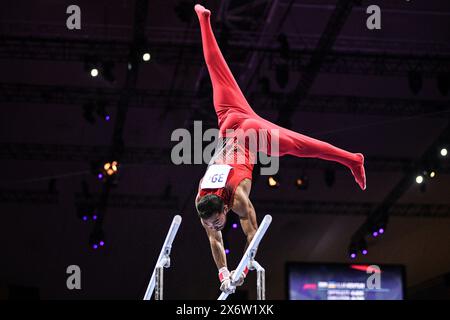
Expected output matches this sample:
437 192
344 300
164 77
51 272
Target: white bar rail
250 253
163 260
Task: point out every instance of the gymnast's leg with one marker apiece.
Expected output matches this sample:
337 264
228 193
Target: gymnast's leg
299 145
227 95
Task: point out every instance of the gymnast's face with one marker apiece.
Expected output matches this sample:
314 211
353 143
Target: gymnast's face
216 221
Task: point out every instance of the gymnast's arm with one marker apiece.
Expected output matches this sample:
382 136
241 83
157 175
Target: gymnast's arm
217 247
247 215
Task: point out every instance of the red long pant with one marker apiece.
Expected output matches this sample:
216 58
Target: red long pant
233 112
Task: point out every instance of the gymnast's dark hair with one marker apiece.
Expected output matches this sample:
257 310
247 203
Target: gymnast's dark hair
209 205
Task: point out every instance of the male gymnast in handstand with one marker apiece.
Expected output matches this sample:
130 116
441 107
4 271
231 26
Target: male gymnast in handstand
234 112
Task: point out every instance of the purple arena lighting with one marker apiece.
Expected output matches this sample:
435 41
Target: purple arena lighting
364 252
95 246
107 118
100 176
234 225
227 251
102 243
94 217
353 255
85 218
375 234
381 231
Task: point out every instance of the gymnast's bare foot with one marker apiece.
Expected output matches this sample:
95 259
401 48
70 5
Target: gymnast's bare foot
201 10
358 171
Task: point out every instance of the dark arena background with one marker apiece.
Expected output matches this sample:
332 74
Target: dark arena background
91 94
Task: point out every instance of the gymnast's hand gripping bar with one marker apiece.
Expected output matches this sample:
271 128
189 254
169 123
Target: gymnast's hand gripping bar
250 253
164 257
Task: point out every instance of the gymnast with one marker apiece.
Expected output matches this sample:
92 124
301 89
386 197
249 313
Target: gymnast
216 197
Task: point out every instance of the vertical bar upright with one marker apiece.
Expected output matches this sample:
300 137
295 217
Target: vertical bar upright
261 285
159 283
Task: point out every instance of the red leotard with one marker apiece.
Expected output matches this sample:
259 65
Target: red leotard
234 112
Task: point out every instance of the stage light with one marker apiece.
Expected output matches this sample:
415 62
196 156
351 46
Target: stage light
85 218
364 251
444 152
97 238
110 168
432 174
381 231
353 249
94 72
146 57
227 251
235 225
114 165
94 217
101 110
273 182
302 182
419 179
100 176
375 234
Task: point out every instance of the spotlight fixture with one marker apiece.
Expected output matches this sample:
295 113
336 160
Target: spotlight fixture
444 152
97 239
86 211
302 182
273 182
101 110
358 246
94 72
419 179
111 168
146 57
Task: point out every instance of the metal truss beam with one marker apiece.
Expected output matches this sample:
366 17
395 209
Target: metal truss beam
146 202
350 60
161 156
64 95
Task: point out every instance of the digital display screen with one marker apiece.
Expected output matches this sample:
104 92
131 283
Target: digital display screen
322 281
